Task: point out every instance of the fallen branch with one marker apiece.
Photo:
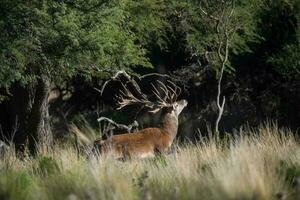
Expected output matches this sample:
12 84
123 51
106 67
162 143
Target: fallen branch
128 128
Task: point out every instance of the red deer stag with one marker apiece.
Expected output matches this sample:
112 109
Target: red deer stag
149 141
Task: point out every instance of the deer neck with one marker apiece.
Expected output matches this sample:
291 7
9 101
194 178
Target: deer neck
170 124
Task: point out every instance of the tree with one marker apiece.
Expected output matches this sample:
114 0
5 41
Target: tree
215 38
224 30
45 42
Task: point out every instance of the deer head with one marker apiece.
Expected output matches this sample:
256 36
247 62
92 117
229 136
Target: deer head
178 106
165 96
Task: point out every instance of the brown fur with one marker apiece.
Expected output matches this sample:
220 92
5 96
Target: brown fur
146 141
143 143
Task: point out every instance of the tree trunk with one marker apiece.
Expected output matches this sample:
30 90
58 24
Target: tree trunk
38 129
25 116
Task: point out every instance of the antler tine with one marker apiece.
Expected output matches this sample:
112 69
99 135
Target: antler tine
161 101
175 93
127 98
122 101
155 91
166 92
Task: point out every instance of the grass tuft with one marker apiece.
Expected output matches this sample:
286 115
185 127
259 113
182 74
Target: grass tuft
253 164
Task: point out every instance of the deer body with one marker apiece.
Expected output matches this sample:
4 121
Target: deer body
146 142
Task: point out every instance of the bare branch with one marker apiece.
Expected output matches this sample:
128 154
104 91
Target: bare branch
224 38
129 78
232 9
210 16
119 126
221 110
117 74
152 74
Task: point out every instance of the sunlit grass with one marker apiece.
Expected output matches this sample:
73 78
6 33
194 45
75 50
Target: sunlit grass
257 164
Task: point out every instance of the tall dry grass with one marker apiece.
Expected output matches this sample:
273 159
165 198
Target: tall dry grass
255 164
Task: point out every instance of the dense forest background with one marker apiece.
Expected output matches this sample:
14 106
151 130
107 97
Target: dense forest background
54 53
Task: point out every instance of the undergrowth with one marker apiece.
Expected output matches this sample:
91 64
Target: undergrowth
255 164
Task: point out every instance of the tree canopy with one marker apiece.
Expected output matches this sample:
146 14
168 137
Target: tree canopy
63 38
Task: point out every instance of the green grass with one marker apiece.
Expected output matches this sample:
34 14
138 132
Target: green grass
260 164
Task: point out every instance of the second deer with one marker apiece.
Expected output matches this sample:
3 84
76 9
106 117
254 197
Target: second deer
149 141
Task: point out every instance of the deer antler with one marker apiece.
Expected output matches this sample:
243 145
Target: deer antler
126 98
166 95
176 91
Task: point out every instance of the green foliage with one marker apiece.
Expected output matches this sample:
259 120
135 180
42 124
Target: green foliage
287 61
159 161
65 38
148 19
282 20
271 25
290 172
47 166
201 28
15 185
